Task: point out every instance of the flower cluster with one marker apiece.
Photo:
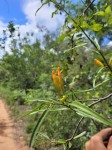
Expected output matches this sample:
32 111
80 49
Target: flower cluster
58 81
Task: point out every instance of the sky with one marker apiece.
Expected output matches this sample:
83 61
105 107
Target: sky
22 13
12 10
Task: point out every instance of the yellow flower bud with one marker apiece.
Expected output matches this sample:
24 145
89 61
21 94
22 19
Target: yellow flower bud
99 62
56 82
63 98
60 79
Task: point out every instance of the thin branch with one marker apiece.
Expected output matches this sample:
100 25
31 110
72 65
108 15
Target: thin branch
86 8
84 33
76 128
64 104
82 1
95 47
87 100
97 100
81 119
100 99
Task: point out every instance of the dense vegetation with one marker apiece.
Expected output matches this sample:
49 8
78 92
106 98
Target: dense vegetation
67 85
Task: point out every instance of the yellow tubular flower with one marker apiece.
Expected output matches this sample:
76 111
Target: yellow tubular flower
60 79
98 62
56 82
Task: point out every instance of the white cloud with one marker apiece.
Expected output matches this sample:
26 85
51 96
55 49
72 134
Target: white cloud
2 27
109 45
33 22
43 17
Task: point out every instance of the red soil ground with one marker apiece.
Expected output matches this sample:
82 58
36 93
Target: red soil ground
10 138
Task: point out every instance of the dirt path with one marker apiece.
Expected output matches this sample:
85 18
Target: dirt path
9 134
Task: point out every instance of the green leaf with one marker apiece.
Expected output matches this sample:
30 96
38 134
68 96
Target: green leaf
110 20
87 112
51 110
98 75
100 13
96 27
61 38
97 44
109 54
38 126
108 10
81 91
84 25
80 135
36 109
44 135
61 141
54 13
69 144
79 45
46 2
41 100
96 51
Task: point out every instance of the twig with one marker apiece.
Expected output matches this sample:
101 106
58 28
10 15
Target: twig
86 9
84 33
100 99
82 1
97 100
81 119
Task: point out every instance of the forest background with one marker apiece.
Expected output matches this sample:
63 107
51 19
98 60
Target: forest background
61 87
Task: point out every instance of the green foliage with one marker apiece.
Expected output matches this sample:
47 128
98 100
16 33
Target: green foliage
26 76
87 112
30 127
12 96
96 27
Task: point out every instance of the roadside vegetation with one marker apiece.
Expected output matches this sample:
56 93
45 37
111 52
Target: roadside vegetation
61 90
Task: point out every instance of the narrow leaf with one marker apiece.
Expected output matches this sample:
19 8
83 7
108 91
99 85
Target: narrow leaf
38 126
61 141
69 144
44 135
54 13
80 135
79 91
46 2
88 112
36 109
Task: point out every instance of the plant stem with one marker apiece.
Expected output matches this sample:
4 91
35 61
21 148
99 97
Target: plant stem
87 8
84 33
81 119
